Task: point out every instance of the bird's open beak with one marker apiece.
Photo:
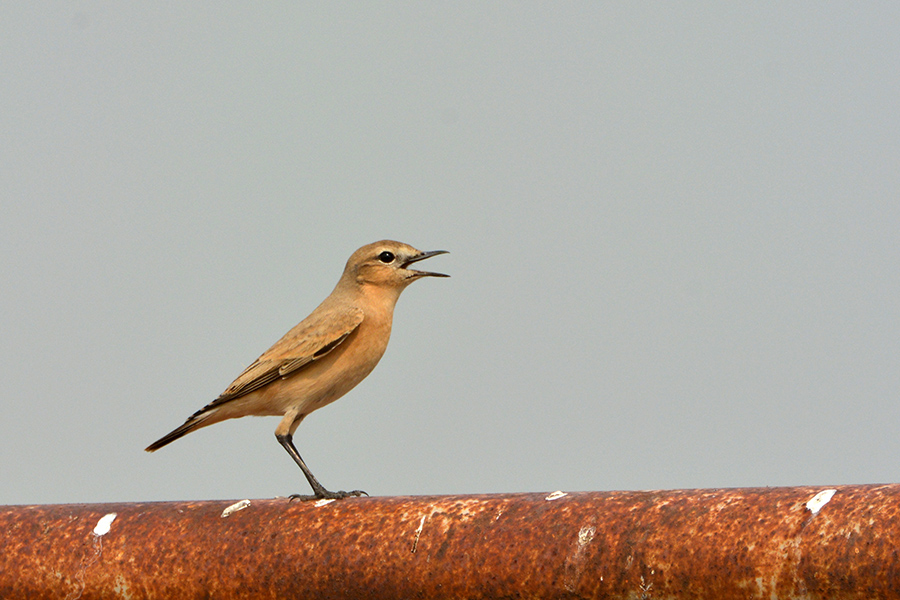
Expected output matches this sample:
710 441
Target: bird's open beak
423 256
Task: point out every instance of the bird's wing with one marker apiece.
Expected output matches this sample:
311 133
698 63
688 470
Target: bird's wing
312 339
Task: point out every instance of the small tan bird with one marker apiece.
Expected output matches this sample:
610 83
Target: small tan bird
323 357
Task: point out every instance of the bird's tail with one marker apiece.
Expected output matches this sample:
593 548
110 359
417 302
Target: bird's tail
194 422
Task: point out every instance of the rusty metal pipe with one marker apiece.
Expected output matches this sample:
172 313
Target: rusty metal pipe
798 542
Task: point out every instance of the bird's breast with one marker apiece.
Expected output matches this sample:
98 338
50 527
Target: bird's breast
326 379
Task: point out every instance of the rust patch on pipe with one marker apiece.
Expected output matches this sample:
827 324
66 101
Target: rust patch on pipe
731 543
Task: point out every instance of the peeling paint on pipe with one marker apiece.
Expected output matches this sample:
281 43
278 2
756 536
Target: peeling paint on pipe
721 544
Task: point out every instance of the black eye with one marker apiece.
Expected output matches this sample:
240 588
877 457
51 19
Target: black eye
386 257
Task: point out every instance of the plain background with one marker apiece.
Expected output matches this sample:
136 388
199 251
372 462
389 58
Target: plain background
673 231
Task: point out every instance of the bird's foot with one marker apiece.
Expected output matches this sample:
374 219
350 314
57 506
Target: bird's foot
326 495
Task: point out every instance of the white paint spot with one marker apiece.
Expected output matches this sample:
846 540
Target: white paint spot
585 535
323 502
235 507
418 533
816 503
103 524
574 565
556 495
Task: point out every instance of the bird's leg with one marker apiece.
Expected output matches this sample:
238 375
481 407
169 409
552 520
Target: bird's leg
319 491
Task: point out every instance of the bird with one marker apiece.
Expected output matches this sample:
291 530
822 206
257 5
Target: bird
322 358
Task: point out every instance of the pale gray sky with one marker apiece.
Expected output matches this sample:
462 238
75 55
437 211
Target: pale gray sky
673 236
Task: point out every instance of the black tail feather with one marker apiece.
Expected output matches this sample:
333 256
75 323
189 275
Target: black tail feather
189 426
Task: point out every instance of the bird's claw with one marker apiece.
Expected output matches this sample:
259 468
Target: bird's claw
326 495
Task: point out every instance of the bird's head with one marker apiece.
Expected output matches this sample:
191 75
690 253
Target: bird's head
386 264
